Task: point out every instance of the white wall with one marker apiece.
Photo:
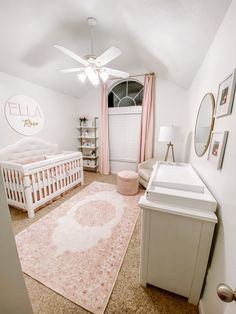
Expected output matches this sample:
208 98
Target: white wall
170 108
59 111
218 64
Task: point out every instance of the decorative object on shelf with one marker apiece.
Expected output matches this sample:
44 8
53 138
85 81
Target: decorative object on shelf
225 97
89 143
171 134
204 124
83 121
24 115
93 67
217 148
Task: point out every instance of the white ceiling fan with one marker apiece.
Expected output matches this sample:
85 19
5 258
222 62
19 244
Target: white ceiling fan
93 67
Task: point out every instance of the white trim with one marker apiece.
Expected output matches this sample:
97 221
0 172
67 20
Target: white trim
125 110
124 160
200 307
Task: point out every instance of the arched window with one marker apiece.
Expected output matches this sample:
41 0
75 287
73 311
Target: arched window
125 94
125 107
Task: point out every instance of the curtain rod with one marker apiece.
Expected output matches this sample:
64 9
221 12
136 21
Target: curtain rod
135 75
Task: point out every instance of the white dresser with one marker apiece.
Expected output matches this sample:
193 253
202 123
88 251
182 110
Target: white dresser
178 220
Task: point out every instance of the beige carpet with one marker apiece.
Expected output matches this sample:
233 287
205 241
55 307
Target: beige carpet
127 296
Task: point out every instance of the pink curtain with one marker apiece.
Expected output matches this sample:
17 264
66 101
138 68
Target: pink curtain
147 120
104 162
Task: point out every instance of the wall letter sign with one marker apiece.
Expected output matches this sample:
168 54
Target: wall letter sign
24 115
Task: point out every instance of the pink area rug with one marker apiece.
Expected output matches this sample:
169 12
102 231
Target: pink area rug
78 248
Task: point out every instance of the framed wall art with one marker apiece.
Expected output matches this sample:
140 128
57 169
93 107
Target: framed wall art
225 96
217 148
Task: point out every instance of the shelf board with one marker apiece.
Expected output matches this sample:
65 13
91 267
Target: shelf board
88 137
88 147
90 157
89 166
87 127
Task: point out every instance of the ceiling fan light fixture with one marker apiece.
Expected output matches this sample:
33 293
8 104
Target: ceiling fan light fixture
93 67
82 77
103 75
92 75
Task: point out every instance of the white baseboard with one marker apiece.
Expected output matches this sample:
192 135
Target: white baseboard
200 307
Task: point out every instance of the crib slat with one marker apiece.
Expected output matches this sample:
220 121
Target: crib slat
45 192
63 176
59 176
12 173
73 171
55 178
22 189
77 170
17 185
49 182
10 184
34 188
39 183
69 172
5 177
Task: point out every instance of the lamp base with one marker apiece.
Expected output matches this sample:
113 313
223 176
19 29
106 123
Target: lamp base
170 146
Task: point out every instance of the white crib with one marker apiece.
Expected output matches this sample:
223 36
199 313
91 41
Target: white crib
30 180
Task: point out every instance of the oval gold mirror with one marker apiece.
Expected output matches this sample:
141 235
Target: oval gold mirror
204 124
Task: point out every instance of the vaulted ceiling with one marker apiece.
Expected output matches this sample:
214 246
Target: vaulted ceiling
169 37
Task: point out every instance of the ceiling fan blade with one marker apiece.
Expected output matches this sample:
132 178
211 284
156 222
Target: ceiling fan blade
72 55
117 73
71 70
108 55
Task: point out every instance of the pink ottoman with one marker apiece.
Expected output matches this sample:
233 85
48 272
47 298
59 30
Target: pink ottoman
127 182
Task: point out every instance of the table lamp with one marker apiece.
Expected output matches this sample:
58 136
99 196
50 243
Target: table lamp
170 134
